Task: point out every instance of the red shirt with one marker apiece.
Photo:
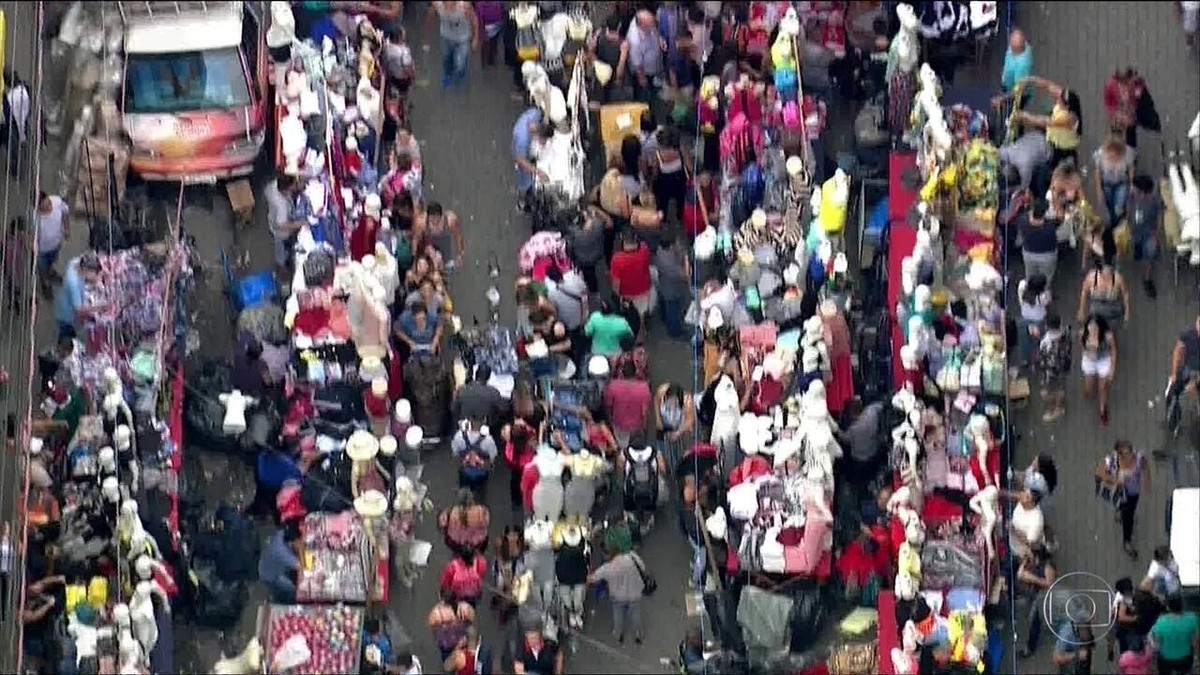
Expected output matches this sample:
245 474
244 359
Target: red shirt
627 402
630 272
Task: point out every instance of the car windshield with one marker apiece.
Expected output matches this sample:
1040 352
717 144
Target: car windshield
183 81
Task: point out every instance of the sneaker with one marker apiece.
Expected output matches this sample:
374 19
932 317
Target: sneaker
1151 288
1052 415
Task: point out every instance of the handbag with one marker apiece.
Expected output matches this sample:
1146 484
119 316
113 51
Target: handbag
649 583
1113 495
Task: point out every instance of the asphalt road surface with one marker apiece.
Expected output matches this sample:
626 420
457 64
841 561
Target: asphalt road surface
16 198
1079 45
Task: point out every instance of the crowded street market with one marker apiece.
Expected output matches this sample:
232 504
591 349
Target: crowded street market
747 356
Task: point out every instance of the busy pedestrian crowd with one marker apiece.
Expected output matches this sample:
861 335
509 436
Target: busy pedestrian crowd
829 435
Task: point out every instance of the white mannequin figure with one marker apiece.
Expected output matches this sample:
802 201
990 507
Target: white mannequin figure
123 438
548 493
129 521
130 654
86 638
908 276
980 434
905 49
110 487
725 418
235 404
141 613
141 542
813 340
984 503
386 270
145 566
1186 198
908 561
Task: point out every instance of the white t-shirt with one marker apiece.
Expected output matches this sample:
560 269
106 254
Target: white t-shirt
1166 575
1032 526
51 226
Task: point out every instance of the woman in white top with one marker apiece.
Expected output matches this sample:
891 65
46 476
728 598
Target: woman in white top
1162 577
1027 526
1035 304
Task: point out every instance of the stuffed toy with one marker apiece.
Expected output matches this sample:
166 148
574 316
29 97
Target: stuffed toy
235 404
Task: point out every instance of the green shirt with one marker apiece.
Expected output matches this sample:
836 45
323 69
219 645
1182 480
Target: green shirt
1175 634
72 411
606 331
315 6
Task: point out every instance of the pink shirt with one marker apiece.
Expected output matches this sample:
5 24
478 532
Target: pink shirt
627 402
1135 663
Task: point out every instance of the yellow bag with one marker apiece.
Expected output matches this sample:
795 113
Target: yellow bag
97 593
1123 238
833 208
76 594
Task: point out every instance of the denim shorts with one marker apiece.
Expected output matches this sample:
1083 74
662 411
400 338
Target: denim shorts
47 259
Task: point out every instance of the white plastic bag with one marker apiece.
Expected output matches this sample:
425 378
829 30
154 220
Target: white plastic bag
292 654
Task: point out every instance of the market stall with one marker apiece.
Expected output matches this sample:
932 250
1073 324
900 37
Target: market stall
112 456
950 380
312 639
334 559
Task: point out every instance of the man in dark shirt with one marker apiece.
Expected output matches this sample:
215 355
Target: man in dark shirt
1144 213
1185 359
478 400
250 374
538 656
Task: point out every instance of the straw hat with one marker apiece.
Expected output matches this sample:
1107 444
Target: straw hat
414 437
379 387
403 411
362 446
388 445
758 219
371 504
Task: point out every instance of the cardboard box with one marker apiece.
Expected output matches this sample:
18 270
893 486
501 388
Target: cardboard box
241 198
618 120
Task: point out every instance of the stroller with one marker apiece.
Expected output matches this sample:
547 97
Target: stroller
430 385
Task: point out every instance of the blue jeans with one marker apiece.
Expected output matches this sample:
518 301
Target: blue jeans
46 260
672 311
699 563
1027 344
454 61
1115 196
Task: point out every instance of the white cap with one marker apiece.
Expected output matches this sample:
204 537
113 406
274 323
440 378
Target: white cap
403 411
388 445
598 366
35 445
414 436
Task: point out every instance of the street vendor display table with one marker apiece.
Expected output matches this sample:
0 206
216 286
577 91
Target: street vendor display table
332 634
333 564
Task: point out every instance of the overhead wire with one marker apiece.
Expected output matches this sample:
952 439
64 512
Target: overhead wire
22 343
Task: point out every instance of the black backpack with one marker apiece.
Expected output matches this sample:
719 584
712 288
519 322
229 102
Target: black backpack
641 479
